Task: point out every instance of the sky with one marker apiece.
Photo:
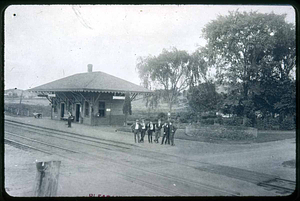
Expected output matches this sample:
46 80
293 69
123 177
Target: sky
43 43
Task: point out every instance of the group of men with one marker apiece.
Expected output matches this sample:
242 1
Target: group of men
167 128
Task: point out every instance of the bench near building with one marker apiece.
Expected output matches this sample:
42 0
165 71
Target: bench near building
93 98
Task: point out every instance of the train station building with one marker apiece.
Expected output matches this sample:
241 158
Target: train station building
93 98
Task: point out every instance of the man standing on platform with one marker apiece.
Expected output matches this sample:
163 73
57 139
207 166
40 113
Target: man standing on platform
151 129
158 131
172 129
136 129
69 119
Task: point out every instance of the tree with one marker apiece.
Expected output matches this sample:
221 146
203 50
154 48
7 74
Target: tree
127 107
246 48
167 71
286 106
204 98
198 67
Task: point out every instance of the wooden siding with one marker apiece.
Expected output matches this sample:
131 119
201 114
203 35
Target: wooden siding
113 108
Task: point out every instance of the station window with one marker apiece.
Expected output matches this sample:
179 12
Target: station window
87 109
101 109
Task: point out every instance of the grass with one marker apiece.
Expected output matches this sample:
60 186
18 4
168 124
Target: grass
269 136
262 136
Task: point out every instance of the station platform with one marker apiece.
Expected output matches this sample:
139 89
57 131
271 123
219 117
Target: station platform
106 133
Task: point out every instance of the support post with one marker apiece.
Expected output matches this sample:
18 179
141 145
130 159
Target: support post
46 181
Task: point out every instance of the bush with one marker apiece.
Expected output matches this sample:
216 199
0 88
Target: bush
268 123
227 132
219 120
209 115
186 117
233 121
162 116
288 123
248 122
207 121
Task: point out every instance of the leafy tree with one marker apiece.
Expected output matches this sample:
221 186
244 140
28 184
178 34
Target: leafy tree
127 107
253 51
167 71
204 98
286 106
198 67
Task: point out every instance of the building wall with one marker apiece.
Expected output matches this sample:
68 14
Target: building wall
113 109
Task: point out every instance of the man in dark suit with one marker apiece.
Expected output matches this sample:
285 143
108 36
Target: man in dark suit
70 117
172 130
168 134
151 129
136 129
158 130
165 131
144 128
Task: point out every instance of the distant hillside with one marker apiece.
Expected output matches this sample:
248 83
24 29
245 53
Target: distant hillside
18 92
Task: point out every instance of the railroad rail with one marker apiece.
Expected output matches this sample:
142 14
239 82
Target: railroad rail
111 145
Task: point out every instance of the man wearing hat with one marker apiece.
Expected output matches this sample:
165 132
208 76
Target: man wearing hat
70 117
158 130
172 130
166 131
151 129
136 129
143 130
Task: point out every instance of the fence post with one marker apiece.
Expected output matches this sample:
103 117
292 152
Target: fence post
46 181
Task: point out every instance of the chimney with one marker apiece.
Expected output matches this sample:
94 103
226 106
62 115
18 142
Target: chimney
90 68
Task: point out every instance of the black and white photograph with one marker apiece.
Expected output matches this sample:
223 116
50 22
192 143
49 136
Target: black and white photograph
149 100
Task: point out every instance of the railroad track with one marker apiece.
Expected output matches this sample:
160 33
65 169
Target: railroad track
121 146
171 178
281 186
125 176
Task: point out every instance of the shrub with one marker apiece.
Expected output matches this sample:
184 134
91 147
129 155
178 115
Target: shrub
288 123
233 121
186 117
207 121
267 123
162 116
209 116
183 117
248 122
227 132
219 120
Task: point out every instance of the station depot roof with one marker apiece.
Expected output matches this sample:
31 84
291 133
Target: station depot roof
91 82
